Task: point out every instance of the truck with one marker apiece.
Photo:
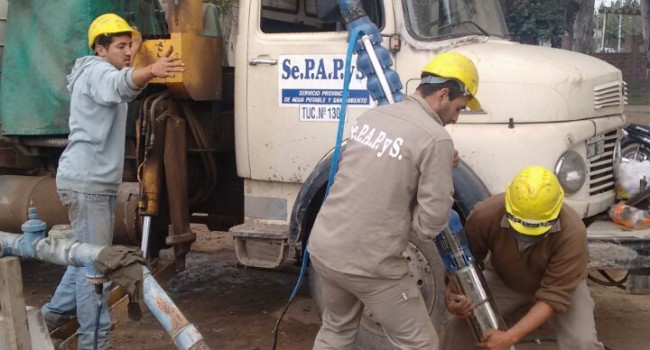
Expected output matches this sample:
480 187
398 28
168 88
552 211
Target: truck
246 144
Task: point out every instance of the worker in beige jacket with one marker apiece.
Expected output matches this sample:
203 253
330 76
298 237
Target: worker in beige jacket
395 179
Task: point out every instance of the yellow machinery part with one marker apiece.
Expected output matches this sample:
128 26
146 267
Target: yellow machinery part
201 80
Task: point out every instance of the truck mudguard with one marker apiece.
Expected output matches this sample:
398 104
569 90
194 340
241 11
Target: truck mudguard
468 190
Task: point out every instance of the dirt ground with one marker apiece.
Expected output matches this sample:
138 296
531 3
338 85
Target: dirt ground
236 308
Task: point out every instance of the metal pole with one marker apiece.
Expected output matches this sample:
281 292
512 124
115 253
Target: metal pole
378 69
146 228
602 41
620 27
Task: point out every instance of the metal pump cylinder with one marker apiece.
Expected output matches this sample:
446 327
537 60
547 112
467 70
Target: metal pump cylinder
485 317
468 279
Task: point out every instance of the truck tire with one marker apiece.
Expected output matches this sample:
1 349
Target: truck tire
425 267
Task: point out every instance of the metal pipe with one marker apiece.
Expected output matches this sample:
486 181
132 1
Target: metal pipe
620 29
378 68
45 142
484 317
56 249
61 248
184 334
146 229
469 280
373 60
602 41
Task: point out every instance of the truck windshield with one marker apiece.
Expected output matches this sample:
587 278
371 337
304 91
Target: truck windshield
431 19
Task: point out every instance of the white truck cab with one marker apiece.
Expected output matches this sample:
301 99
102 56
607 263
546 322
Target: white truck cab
550 107
545 106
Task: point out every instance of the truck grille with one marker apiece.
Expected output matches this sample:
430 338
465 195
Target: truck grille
612 94
601 167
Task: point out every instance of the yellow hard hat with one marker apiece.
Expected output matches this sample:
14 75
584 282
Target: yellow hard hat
533 201
452 65
107 24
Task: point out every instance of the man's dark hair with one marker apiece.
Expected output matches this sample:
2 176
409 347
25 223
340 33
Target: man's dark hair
107 40
428 89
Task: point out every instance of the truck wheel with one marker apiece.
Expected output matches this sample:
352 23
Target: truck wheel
425 267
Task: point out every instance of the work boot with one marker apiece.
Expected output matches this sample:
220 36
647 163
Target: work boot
54 320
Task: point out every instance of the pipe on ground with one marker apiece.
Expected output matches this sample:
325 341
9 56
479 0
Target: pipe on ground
61 248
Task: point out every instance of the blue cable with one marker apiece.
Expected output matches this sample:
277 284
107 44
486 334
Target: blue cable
344 107
335 165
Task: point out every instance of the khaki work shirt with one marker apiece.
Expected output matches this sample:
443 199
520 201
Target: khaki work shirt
395 177
550 269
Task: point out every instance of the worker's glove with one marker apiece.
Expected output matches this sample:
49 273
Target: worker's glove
454 223
365 27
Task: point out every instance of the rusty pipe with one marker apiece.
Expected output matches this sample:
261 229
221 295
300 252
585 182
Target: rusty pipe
62 248
44 142
183 333
16 193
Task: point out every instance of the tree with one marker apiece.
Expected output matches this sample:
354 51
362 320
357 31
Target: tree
539 21
582 31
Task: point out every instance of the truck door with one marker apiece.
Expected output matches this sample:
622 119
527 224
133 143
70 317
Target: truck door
293 82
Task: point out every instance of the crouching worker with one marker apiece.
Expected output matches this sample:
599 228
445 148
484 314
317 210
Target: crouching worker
537 256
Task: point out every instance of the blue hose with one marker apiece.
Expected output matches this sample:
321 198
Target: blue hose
334 168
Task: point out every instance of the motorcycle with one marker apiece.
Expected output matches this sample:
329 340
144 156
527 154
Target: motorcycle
636 143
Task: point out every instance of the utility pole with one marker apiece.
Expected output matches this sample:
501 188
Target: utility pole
620 29
602 41
645 17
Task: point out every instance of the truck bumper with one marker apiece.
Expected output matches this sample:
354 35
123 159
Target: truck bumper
614 247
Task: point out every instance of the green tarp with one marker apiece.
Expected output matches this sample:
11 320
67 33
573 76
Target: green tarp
43 38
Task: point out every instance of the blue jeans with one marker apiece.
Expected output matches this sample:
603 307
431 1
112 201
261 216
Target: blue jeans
92 218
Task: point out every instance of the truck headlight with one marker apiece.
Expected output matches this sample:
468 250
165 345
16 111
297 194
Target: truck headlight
571 171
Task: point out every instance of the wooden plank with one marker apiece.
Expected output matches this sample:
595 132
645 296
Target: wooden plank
13 304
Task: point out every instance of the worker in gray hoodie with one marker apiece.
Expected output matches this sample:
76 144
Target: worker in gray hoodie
90 168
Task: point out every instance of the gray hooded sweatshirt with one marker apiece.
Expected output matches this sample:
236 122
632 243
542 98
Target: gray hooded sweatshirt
93 161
